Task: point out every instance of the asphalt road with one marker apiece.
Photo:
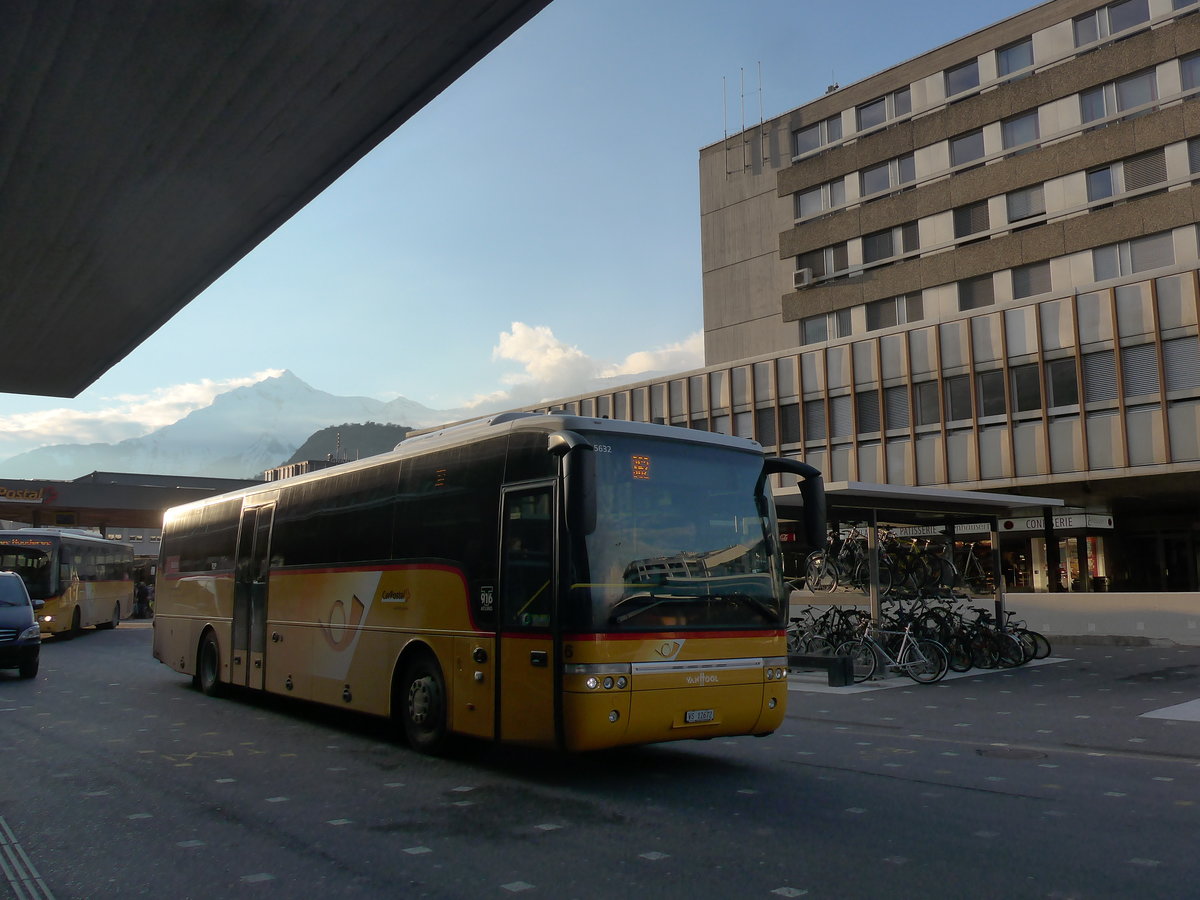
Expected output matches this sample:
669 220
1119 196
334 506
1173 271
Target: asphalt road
120 780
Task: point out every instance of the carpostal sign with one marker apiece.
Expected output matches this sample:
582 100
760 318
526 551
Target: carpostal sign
33 496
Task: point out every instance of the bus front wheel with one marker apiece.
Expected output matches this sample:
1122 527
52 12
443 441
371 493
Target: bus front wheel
422 704
208 667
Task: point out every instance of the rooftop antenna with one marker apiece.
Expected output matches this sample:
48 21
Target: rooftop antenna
742 76
762 128
833 85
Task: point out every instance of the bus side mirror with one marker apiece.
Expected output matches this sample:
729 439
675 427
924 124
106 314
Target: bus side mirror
579 480
812 491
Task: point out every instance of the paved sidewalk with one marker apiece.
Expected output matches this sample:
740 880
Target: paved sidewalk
1101 698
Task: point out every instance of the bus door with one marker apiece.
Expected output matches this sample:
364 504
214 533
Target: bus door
528 684
251 569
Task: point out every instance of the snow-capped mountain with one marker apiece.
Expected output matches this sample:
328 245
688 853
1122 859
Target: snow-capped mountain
242 432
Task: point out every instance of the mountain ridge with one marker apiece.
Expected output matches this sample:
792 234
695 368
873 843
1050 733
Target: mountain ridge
242 433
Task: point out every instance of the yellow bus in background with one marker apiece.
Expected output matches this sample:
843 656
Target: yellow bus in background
83 579
548 580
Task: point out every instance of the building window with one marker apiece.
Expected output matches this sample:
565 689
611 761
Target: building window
866 406
1099 376
925 403
896 406
1189 72
1153 251
814 329
1025 203
822 198
825 260
958 398
789 423
1100 184
1020 130
1110 20
817 135
875 179
1181 363
1014 57
1030 280
894 311
890 106
1137 90
1144 170
974 293
764 426
1027 388
813 260
814 420
1061 383
890 242
962 78
1193 148
971 219
1139 370
841 323
989 389
872 114
966 148
884 176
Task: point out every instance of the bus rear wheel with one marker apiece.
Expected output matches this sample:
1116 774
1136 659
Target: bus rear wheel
422 704
208 667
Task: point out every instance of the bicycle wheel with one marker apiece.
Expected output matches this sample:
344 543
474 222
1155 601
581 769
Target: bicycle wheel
1042 645
862 577
820 572
958 651
925 661
815 645
1009 649
795 638
862 655
1028 644
984 654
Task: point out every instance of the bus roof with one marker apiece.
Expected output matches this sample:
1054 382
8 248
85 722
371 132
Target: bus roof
493 426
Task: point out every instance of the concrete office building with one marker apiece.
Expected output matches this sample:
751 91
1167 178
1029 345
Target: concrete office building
976 270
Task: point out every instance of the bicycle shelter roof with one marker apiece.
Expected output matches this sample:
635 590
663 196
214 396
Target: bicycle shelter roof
899 504
927 504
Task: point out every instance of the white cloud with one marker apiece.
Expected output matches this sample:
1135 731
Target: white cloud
117 418
551 369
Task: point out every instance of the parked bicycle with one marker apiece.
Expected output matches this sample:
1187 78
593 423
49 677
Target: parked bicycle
847 566
923 660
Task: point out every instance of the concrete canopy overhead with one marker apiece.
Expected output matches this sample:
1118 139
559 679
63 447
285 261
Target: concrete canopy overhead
147 146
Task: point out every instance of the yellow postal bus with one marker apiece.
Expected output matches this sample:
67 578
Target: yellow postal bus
84 579
548 580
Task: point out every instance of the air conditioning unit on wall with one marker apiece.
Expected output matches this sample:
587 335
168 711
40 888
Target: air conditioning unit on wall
802 278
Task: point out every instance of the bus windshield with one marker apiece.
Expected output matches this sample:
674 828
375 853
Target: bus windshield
32 565
681 541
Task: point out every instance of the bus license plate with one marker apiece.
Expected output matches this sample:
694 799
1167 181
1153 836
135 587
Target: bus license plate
699 715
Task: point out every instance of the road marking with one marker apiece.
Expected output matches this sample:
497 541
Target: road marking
20 871
1182 712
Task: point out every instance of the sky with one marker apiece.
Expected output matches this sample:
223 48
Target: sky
534 227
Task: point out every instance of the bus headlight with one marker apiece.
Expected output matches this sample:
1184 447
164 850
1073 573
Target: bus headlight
593 682
608 682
